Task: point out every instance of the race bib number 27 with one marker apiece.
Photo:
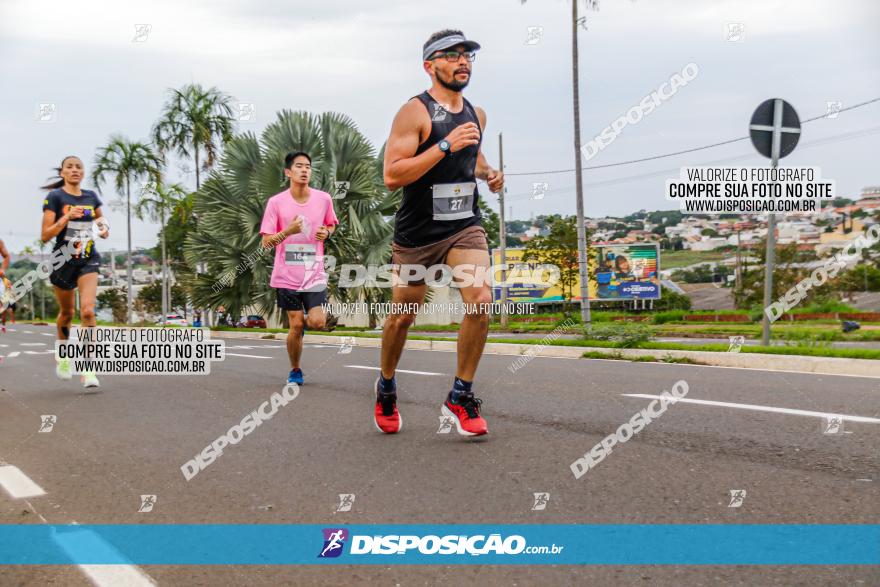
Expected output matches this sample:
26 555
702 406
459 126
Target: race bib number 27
453 201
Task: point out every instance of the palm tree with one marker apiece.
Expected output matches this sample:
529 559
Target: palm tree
195 121
155 205
230 208
127 162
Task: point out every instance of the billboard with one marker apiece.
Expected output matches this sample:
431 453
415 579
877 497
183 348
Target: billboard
625 272
617 272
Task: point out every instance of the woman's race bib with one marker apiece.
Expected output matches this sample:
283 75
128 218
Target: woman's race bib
81 229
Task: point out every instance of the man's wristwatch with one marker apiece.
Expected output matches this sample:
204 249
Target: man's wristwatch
445 146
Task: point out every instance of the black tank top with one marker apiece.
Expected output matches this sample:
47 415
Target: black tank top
415 224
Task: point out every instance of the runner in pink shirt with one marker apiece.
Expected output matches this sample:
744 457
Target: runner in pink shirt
297 222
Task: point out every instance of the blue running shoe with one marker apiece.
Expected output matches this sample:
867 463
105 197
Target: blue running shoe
296 376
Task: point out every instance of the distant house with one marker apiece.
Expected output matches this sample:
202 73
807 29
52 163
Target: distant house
801 231
705 243
870 198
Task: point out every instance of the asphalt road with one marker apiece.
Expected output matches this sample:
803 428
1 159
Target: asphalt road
107 449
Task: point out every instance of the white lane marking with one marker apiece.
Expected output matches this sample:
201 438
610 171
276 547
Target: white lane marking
398 370
248 356
33 344
47 334
757 408
17 484
49 352
74 542
257 346
116 575
27 331
12 355
3 346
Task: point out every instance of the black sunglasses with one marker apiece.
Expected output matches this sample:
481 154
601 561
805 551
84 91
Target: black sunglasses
453 56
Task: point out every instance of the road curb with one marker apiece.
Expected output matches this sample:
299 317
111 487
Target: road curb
765 362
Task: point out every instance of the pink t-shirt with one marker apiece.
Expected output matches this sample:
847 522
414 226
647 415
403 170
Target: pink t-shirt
299 259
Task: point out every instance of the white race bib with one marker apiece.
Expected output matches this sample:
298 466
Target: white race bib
453 201
300 254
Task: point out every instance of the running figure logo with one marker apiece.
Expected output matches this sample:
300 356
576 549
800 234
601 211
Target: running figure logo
737 496
148 188
334 541
539 189
147 503
141 33
340 189
534 35
541 500
440 113
346 500
832 108
736 343
247 112
47 423
445 425
735 31
46 112
833 425
346 346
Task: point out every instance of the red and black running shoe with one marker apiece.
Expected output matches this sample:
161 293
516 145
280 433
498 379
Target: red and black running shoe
385 415
466 414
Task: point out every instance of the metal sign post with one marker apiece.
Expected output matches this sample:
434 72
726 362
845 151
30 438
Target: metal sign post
774 140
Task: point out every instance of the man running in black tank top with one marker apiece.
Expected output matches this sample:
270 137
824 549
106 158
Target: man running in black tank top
433 153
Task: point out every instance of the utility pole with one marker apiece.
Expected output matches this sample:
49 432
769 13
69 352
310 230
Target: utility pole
502 239
579 182
738 261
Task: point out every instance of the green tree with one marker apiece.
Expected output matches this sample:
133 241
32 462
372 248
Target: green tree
231 203
195 123
155 204
492 223
559 248
115 299
862 277
149 299
179 223
126 162
786 274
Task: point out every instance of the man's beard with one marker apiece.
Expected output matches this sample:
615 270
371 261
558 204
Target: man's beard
455 86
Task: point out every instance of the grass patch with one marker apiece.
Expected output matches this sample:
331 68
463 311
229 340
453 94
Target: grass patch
809 351
676 259
618 356
871 354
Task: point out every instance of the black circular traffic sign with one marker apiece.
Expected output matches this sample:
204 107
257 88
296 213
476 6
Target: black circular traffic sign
775 117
